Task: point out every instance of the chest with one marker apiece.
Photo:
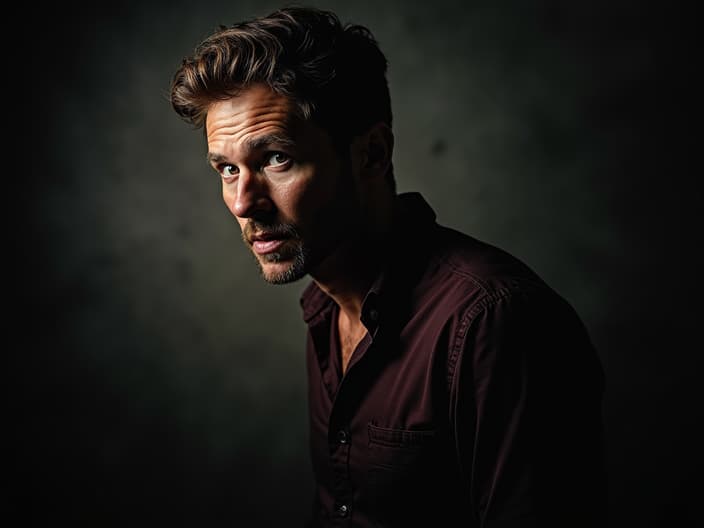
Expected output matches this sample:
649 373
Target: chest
379 430
349 339
349 336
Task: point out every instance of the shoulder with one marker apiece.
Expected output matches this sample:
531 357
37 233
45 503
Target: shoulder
464 275
490 279
485 266
485 292
505 314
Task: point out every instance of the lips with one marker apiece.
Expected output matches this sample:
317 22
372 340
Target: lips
267 246
267 242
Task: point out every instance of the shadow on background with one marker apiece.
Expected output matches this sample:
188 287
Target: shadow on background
163 382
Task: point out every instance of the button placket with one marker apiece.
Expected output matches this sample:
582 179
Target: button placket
339 442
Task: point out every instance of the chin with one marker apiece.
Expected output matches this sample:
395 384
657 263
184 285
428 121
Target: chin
282 272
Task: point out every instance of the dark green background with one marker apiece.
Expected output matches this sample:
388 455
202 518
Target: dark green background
164 382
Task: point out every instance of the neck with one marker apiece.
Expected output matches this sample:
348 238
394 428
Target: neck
347 274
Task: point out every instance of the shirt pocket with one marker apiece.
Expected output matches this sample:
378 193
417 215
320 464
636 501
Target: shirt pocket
397 448
398 464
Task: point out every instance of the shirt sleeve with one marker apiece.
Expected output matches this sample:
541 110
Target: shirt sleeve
526 395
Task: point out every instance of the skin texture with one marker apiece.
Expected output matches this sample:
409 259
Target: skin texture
281 175
290 186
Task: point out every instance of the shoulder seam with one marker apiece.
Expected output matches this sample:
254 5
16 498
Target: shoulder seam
489 299
466 275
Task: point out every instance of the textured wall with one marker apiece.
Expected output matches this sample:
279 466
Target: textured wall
164 380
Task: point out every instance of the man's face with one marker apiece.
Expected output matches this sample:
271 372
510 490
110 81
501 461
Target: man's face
294 198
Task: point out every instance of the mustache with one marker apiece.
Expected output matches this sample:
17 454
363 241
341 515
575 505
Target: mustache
277 229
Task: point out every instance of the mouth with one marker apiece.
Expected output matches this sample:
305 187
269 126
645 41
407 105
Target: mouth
267 243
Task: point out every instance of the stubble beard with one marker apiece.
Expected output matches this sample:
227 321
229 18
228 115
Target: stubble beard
332 224
302 255
296 250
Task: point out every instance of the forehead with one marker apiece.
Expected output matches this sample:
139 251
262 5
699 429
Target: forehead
255 111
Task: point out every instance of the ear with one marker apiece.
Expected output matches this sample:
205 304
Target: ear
376 147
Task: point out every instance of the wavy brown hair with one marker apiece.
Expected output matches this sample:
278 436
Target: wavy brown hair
335 74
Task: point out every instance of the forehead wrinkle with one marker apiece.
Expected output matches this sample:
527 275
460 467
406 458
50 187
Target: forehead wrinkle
247 112
225 129
242 140
233 126
250 114
246 128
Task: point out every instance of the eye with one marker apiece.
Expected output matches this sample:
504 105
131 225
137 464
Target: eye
277 159
228 171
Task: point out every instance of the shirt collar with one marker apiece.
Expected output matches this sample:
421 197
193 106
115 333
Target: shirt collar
412 217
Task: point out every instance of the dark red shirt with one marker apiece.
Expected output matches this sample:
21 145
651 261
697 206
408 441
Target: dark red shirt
473 400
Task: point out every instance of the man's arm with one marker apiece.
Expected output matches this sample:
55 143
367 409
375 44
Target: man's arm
526 410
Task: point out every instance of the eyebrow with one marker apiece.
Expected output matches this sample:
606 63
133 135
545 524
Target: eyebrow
256 143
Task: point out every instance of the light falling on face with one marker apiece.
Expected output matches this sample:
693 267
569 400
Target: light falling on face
282 179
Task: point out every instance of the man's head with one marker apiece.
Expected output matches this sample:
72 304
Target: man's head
297 115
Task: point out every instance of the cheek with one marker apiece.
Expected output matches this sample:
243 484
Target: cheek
313 191
291 198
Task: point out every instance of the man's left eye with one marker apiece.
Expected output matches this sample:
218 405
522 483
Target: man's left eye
277 159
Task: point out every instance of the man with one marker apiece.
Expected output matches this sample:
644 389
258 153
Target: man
448 384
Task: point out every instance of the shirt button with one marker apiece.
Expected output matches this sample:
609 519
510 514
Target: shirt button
374 314
342 436
343 510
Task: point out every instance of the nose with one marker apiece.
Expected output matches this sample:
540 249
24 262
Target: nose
252 195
